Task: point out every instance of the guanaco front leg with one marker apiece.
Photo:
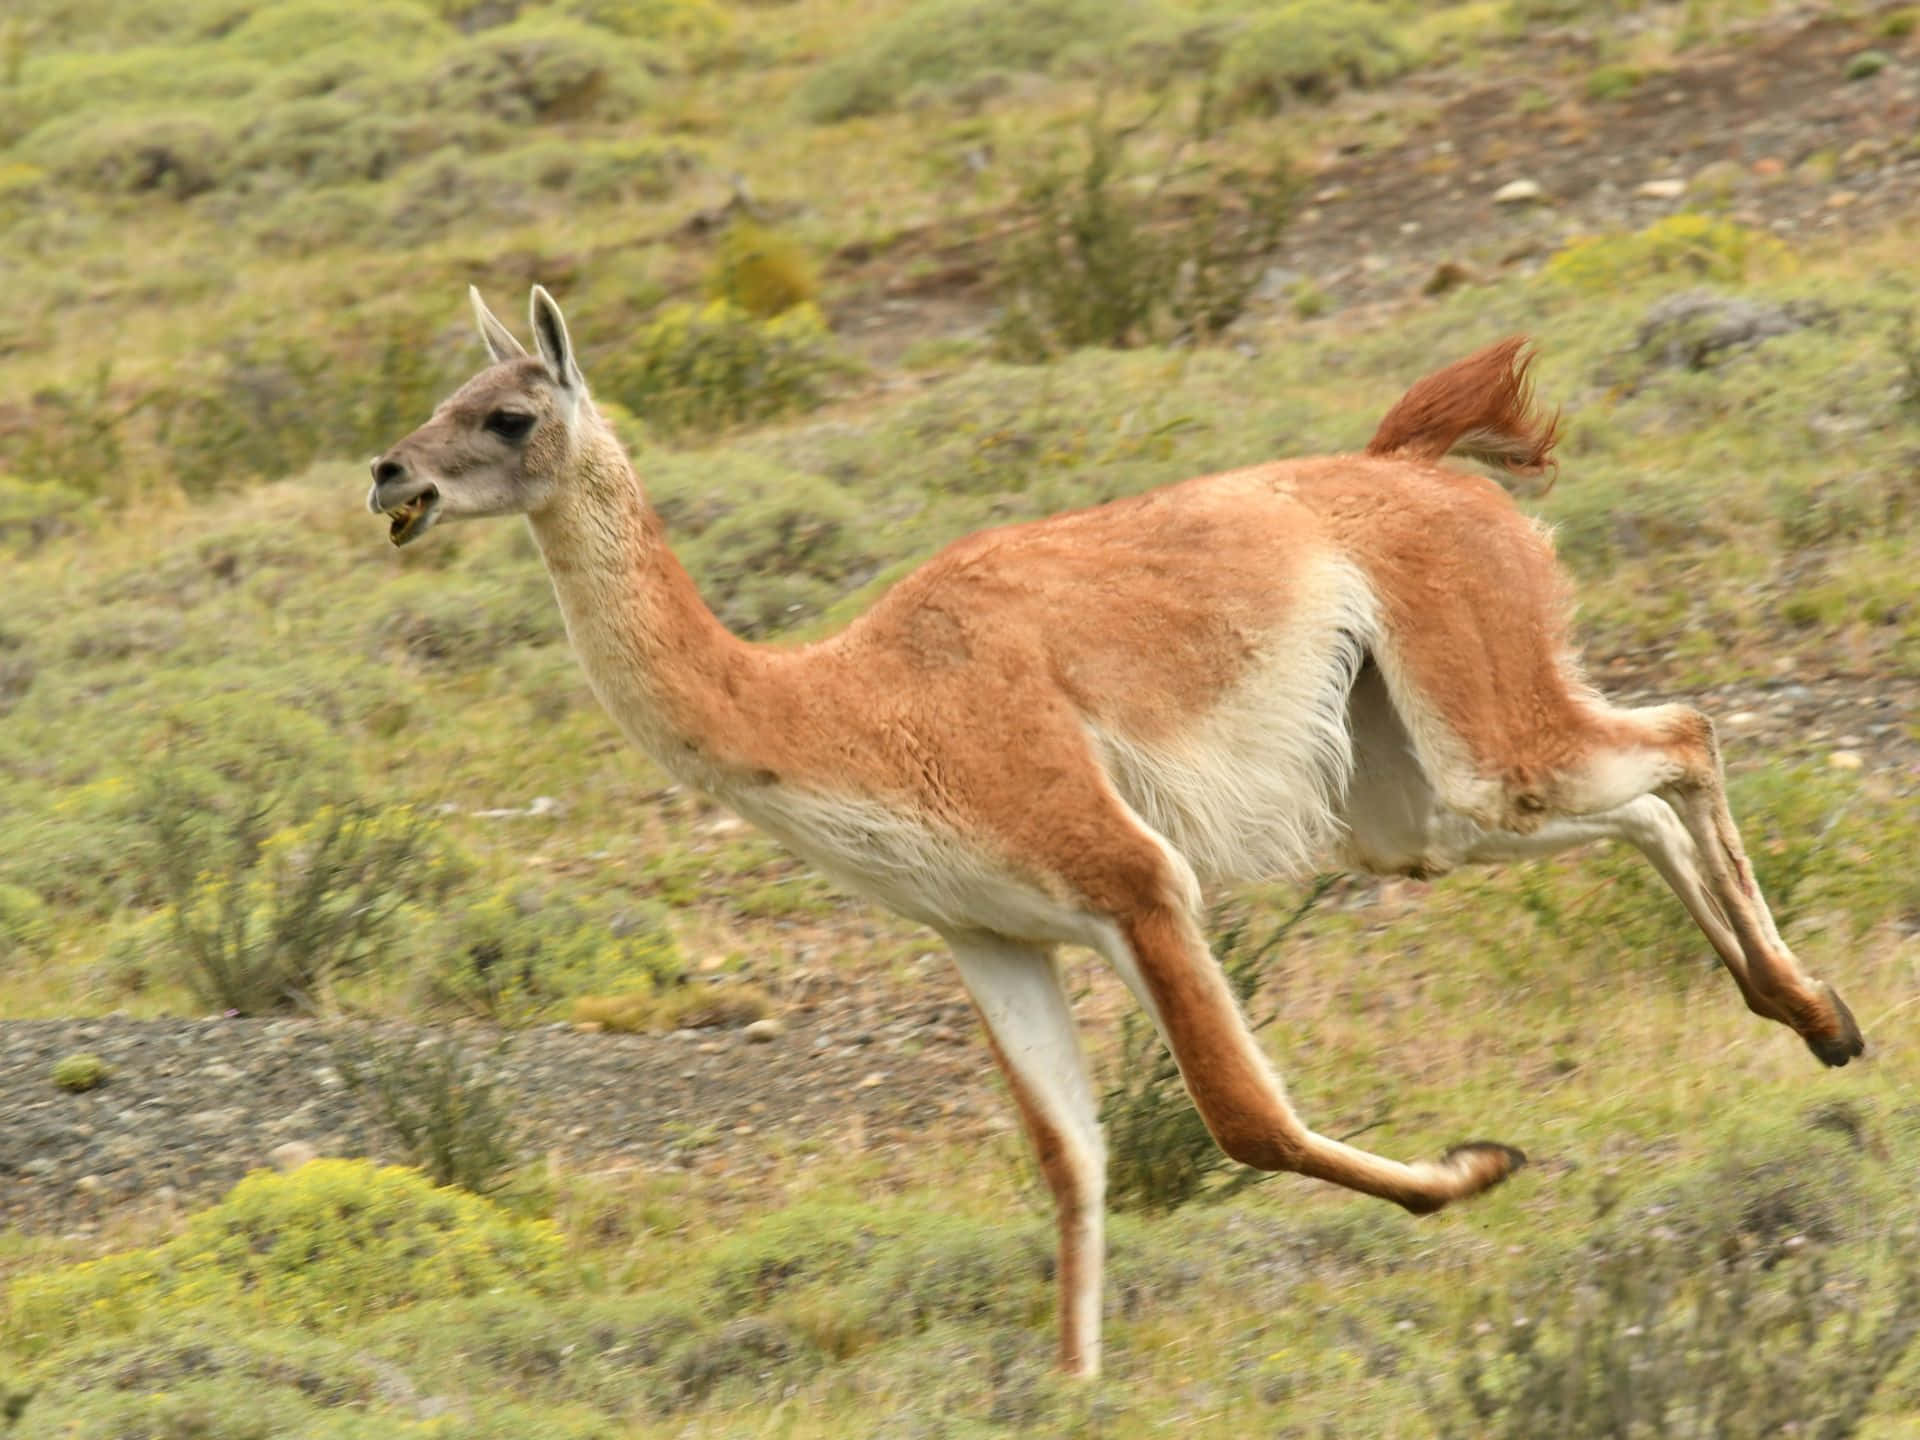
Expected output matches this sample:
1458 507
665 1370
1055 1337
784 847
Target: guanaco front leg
1018 991
1159 952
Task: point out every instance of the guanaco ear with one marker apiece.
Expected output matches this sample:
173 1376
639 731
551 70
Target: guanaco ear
499 340
550 334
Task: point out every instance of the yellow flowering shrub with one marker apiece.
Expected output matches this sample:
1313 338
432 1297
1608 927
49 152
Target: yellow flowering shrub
325 1247
1704 247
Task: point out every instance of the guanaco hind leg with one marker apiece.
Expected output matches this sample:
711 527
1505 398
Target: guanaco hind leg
1669 751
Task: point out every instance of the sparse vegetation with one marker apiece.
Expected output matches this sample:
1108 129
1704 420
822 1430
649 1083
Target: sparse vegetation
451 1121
707 367
943 43
1104 262
261 920
1310 50
1677 1338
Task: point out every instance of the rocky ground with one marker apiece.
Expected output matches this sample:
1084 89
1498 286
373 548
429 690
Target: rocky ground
1774 129
188 1106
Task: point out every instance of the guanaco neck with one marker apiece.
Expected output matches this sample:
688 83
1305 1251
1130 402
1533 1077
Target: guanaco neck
683 687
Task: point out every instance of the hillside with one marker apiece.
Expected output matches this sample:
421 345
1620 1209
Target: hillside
282 806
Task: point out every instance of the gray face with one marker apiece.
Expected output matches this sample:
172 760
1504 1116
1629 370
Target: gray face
498 445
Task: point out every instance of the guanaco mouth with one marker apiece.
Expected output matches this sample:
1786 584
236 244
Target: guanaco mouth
411 520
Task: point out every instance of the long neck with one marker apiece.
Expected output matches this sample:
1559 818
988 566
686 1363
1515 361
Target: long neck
665 668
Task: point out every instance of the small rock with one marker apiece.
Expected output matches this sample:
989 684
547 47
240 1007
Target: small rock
869 1082
1741 719
1662 189
762 1032
1694 328
1845 760
544 805
1718 180
1518 192
89 1185
1277 282
291 1155
1447 275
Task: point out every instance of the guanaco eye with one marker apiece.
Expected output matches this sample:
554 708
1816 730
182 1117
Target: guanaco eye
509 424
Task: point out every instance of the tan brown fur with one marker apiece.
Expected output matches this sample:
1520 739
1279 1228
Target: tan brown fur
1371 646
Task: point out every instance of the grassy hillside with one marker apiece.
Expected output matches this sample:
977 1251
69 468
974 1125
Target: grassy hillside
254 759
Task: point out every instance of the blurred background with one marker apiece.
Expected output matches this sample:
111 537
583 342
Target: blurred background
310 847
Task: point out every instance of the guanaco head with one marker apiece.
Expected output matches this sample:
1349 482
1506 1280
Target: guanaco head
500 444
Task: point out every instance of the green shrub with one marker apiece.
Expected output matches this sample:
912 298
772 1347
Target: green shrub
698 26
1695 247
712 366
63 24
1162 1155
1678 1338
26 925
328 140
72 438
1310 49
268 922
289 29
63 90
442 622
589 172
271 402
136 152
31 514
325 1248
1614 82
767 546
304 222
944 42
540 70
1100 262
451 1120
515 956
80 1072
